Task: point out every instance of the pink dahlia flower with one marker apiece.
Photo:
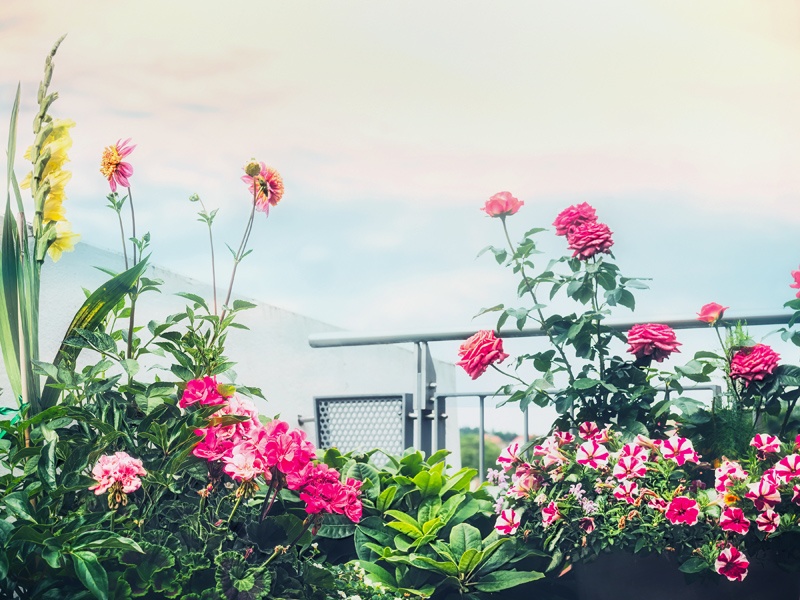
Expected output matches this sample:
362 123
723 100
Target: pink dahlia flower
480 351
502 204
113 167
589 238
508 522
573 216
205 391
652 340
733 519
796 284
119 468
711 312
768 521
732 564
682 509
754 363
267 186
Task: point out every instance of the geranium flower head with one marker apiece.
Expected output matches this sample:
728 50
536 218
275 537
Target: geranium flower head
508 522
119 475
754 363
573 216
652 340
732 564
589 238
480 351
113 167
502 204
796 284
711 313
682 509
267 186
205 391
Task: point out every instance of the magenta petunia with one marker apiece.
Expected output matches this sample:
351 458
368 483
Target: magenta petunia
626 490
765 443
788 468
550 514
732 564
682 509
733 519
629 467
764 494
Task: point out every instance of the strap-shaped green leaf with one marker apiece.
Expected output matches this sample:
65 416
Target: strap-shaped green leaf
90 317
9 304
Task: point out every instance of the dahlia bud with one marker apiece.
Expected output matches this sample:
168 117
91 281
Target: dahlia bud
252 168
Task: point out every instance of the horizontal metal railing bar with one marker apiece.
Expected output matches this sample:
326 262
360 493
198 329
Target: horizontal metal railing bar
339 339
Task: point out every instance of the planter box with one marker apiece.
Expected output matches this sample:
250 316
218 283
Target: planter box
617 576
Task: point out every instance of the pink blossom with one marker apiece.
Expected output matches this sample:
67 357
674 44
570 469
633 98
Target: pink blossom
635 451
626 491
205 391
587 524
550 514
732 564
563 437
508 522
629 467
796 284
212 447
726 473
592 454
480 351
733 519
525 485
589 238
652 340
244 462
267 186
764 494
679 449
502 204
796 494
657 503
768 521
118 468
766 444
682 509
509 456
573 216
113 168
788 468
711 312
588 430
754 363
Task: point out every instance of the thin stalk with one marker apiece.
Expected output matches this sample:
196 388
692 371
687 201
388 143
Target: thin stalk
235 506
238 257
596 309
507 374
122 233
731 382
134 294
267 506
133 224
213 260
536 302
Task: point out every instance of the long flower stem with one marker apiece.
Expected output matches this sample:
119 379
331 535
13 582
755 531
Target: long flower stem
596 309
731 382
267 501
238 257
507 374
134 294
213 260
536 302
122 234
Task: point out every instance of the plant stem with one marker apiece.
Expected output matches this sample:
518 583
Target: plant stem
213 260
134 294
507 374
235 506
536 302
731 382
133 224
238 257
267 502
122 234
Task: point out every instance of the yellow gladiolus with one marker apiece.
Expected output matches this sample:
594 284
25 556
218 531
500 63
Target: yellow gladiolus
65 240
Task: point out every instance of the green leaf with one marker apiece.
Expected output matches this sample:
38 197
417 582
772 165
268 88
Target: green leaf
428 564
386 498
91 317
503 580
585 383
694 565
377 574
470 560
47 465
336 527
428 482
91 573
464 536
20 506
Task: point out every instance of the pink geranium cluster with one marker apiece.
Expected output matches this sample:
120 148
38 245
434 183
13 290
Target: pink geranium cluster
585 235
653 341
276 454
595 481
754 363
118 474
205 391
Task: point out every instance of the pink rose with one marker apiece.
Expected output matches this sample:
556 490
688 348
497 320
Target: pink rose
480 351
711 312
796 284
502 204
754 363
652 340
732 564
589 238
571 217
682 509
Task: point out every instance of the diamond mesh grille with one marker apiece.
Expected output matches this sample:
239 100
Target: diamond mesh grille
361 424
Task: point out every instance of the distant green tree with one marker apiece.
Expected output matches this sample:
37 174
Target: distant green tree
469 450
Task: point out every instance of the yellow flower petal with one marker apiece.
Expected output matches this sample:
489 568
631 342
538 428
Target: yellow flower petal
65 240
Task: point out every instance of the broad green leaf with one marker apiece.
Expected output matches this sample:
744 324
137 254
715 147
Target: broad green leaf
428 564
469 561
429 483
377 574
20 506
91 573
503 580
464 536
386 498
336 527
408 529
47 465
428 509
694 565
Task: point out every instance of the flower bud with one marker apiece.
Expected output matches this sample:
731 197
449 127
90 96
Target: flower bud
252 168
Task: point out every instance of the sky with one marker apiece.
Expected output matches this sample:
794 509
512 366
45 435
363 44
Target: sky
392 123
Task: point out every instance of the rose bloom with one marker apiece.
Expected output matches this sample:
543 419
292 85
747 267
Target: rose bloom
733 519
711 312
571 217
267 186
682 510
589 238
508 522
502 204
732 564
652 340
796 284
754 363
113 167
480 351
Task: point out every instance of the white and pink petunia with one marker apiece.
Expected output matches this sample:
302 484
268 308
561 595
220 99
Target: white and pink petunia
726 473
636 451
592 454
732 564
509 521
678 449
588 430
550 514
733 519
764 494
766 443
788 468
626 490
629 467
768 521
509 456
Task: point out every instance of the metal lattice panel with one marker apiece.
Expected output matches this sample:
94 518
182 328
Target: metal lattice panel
363 423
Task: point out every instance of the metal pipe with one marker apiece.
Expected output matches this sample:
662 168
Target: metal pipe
481 443
336 339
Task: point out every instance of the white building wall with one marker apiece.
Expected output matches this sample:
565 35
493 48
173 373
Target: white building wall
273 354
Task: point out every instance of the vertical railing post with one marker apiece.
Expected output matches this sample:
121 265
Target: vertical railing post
481 441
525 433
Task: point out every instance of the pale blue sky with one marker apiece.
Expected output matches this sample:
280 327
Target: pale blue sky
392 124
